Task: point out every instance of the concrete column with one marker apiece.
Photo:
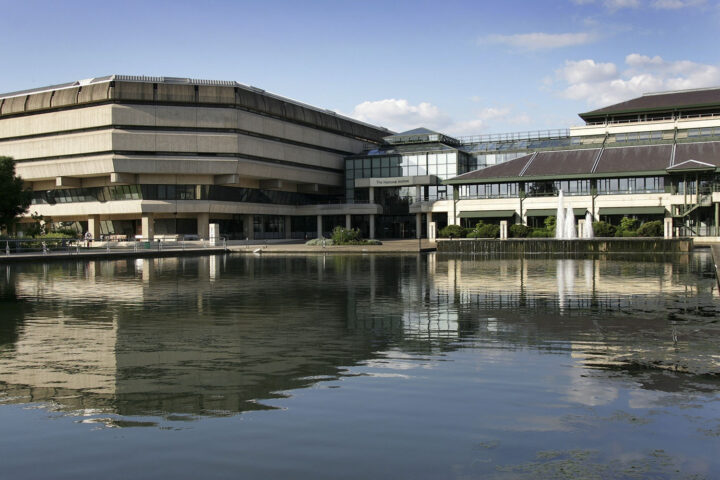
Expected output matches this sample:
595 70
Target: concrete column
371 195
668 227
503 230
372 226
418 225
248 227
288 227
581 228
348 221
319 226
94 226
203 225
430 226
214 233
148 227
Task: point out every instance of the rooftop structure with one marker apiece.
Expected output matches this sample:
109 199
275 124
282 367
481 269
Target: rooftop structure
660 105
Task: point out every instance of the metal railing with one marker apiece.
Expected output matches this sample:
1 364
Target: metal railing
512 136
68 246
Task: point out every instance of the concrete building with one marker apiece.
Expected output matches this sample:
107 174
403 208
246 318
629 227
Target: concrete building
141 157
126 157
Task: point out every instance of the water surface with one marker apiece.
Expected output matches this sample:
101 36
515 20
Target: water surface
361 367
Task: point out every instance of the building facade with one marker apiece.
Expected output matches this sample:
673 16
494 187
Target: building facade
655 157
143 157
139 157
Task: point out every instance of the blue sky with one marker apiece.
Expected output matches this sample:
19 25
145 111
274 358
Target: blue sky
461 67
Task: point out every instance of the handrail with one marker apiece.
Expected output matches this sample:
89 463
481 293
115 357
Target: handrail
514 136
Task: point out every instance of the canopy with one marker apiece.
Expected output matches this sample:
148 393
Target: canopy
487 214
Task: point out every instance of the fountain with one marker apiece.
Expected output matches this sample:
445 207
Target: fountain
570 229
588 231
560 218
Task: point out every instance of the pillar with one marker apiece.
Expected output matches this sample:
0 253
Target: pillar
371 194
668 227
94 226
214 233
288 227
717 219
418 194
203 225
248 227
348 221
503 229
581 228
372 226
148 227
430 227
418 225
319 226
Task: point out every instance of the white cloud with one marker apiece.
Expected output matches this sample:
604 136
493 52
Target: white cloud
541 41
600 84
587 70
676 4
619 4
614 5
400 115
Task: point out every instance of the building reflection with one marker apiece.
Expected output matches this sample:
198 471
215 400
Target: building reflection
219 335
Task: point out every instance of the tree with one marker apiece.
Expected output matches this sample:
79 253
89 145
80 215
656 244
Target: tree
14 197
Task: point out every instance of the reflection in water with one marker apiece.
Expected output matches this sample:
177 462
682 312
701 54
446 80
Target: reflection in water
201 335
215 336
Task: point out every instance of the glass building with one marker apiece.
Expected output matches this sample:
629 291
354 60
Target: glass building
409 168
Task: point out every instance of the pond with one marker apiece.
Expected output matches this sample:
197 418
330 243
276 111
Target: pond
361 366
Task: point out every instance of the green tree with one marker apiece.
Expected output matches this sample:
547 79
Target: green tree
14 197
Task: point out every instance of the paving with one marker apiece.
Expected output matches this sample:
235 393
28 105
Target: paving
104 254
388 246
254 247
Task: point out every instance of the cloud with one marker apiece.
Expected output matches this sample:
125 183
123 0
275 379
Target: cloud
599 84
400 115
541 41
587 70
620 4
614 5
676 4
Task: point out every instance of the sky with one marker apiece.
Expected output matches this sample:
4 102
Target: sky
459 67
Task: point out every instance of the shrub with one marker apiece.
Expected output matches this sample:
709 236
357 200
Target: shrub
56 235
550 225
519 231
319 241
603 229
483 230
541 233
651 229
344 236
456 231
67 231
627 227
628 223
